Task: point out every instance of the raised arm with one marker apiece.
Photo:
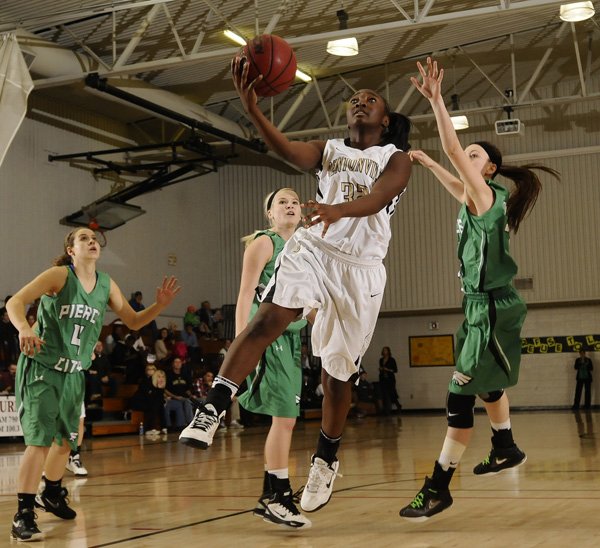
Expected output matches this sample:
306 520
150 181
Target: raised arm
136 320
49 282
257 255
306 155
451 183
479 196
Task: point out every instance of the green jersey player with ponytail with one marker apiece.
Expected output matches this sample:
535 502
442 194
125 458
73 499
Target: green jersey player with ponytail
488 343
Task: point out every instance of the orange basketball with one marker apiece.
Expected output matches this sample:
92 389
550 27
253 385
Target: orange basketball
272 57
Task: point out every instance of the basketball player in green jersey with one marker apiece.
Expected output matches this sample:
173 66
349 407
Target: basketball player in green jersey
489 340
274 386
50 382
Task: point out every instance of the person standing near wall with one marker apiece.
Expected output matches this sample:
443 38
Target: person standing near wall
387 381
584 367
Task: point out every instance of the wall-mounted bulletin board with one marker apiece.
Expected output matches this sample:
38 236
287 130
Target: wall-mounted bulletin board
431 351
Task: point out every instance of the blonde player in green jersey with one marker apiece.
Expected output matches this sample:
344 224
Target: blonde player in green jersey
274 386
54 353
488 349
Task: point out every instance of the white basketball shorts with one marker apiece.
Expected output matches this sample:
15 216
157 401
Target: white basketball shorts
346 291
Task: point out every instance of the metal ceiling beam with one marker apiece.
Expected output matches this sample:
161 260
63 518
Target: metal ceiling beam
173 29
323 106
542 62
401 10
428 5
44 21
292 110
578 58
137 37
85 48
500 92
407 95
202 32
180 61
423 117
276 17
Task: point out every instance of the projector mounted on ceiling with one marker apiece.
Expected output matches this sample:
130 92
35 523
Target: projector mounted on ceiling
511 126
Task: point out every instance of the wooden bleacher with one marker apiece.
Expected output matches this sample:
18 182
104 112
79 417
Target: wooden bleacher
113 408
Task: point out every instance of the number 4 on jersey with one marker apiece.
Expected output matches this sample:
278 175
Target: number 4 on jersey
76 338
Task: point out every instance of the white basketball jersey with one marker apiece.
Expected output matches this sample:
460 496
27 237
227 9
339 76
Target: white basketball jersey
347 174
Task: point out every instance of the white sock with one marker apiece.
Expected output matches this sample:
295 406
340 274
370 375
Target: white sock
501 425
281 473
451 454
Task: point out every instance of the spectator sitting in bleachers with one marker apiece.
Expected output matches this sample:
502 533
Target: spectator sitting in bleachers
150 398
202 385
178 392
139 344
188 336
117 334
98 375
163 347
211 322
7 380
191 317
125 356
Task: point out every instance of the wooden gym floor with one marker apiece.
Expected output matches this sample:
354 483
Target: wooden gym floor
143 493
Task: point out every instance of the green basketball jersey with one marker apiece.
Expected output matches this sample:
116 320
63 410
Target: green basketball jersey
70 323
267 274
483 251
269 269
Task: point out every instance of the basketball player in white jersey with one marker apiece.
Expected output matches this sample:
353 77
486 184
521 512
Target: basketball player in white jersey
334 265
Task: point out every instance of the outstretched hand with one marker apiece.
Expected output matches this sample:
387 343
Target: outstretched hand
431 87
320 213
245 89
421 157
167 291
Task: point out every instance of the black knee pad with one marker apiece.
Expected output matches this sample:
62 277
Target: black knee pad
459 410
491 397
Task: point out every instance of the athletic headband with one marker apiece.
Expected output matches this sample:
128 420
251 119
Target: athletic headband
493 154
270 200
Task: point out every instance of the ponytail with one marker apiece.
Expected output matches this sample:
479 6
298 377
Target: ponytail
527 184
65 259
397 132
527 189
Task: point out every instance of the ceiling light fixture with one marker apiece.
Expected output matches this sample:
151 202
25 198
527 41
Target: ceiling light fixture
461 121
344 47
303 76
576 11
458 122
234 37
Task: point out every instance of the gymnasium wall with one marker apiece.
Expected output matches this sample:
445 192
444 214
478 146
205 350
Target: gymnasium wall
201 221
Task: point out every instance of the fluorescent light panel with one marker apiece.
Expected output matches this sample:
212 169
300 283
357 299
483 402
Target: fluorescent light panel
576 11
345 47
234 37
459 122
303 76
